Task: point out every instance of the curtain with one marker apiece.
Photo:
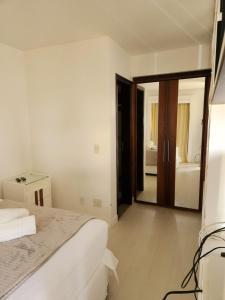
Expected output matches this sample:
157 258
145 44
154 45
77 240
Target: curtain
183 115
154 123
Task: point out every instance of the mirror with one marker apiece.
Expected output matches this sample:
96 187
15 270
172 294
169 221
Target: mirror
150 143
189 142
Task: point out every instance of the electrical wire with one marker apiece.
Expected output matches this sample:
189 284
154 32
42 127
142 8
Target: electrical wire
195 265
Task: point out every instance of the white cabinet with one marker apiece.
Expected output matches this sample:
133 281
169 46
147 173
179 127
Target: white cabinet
31 188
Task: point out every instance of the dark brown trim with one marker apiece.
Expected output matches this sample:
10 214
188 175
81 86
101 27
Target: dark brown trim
120 79
134 139
36 197
162 152
171 135
204 139
173 76
41 197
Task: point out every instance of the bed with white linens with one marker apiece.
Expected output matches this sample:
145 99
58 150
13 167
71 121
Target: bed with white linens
78 270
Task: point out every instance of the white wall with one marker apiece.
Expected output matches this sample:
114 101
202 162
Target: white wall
70 113
72 107
195 97
214 194
196 117
184 59
15 155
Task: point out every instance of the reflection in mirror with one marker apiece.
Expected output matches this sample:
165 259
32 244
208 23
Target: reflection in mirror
150 119
189 142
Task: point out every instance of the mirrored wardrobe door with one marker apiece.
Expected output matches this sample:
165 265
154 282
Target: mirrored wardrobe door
147 161
189 142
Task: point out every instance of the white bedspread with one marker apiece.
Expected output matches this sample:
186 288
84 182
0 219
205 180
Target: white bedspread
68 271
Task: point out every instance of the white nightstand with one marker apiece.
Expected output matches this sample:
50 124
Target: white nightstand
35 190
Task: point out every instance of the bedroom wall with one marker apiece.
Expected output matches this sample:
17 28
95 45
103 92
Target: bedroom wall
72 108
70 128
176 60
196 116
214 193
119 63
14 129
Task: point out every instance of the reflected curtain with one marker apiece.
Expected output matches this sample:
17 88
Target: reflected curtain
154 123
183 116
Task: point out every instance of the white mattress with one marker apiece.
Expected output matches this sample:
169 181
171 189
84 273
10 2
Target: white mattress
97 287
66 274
187 185
151 170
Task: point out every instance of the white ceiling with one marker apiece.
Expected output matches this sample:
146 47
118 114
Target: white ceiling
139 26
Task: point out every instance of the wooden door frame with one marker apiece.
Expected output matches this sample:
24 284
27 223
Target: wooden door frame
173 76
121 79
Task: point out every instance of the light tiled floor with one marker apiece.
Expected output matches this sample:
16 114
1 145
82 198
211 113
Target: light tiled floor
155 247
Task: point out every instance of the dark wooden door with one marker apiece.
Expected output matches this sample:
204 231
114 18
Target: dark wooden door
124 175
162 149
167 124
172 103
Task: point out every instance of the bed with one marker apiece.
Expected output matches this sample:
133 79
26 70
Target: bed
151 156
151 160
78 270
187 185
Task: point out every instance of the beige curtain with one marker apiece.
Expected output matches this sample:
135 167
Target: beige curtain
154 123
183 115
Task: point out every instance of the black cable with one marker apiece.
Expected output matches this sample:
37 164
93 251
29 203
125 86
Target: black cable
181 292
196 260
195 265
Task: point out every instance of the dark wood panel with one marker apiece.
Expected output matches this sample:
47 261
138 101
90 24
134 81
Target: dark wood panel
172 76
41 197
134 139
204 139
36 197
162 154
123 141
171 136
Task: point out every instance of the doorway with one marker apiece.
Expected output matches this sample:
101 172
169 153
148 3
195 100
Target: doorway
175 134
123 120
